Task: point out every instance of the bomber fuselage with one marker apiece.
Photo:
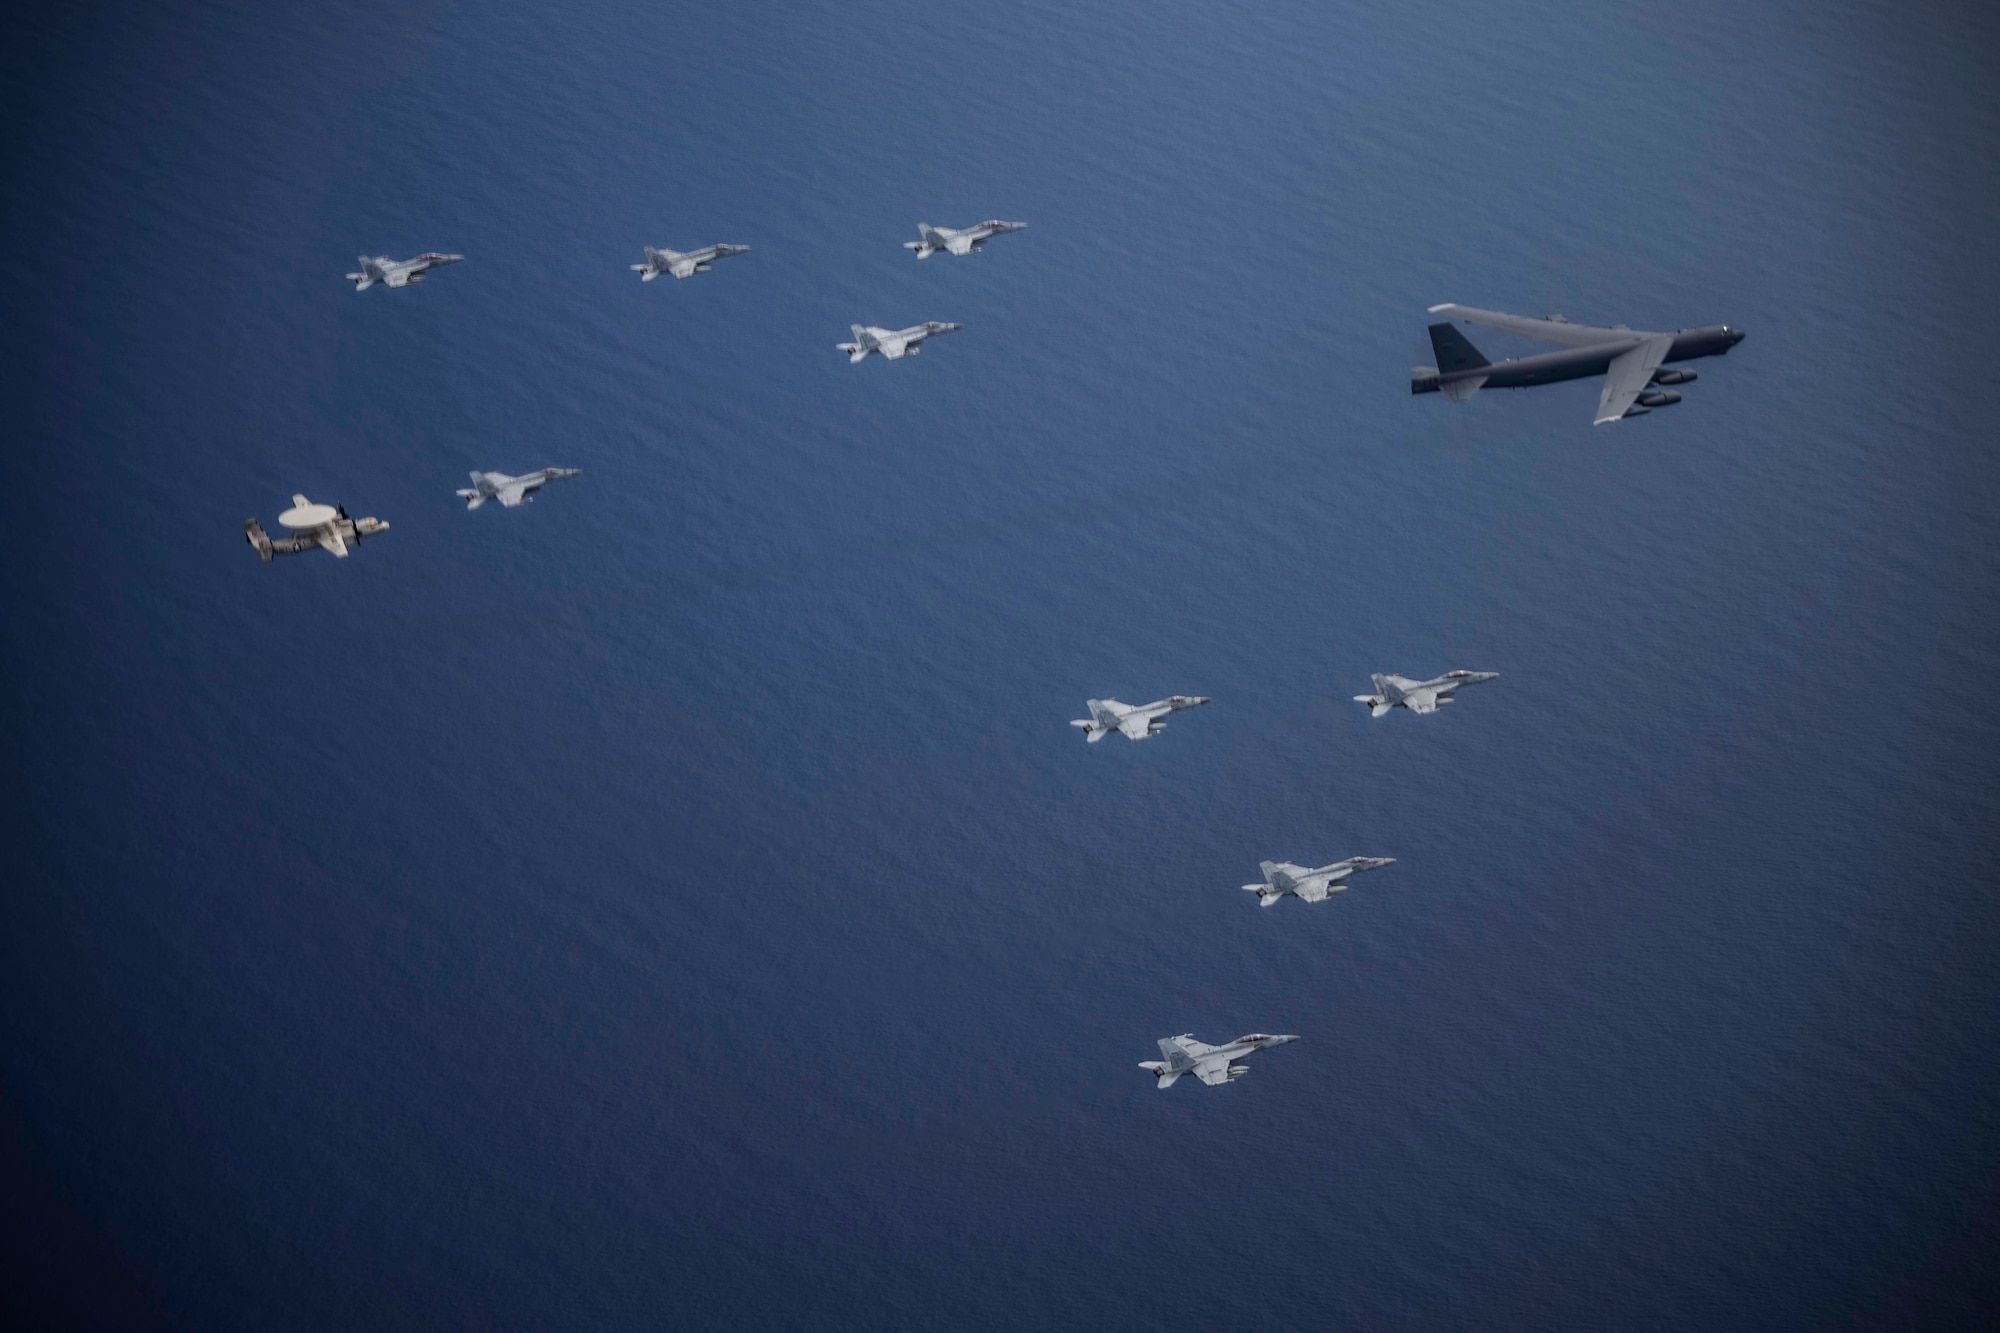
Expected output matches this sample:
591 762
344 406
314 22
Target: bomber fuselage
1576 363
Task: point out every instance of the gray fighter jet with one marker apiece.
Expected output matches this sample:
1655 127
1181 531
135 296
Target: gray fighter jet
389 272
1628 359
512 491
311 525
958 241
1308 885
1210 1064
1136 721
891 343
684 265
1419 696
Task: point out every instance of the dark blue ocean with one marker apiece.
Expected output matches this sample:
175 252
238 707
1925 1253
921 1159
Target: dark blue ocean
680 903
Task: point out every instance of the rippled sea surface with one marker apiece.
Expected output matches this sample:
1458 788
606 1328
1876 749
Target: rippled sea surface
679 903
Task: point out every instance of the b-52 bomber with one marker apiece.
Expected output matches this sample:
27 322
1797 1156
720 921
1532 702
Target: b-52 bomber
684 265
1210 1064
960 240
324 526
893 344
1419 696
512 491
1309 885
1135 721
391 273
1628 359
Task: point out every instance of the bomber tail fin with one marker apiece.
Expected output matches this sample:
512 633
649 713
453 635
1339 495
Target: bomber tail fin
1454 350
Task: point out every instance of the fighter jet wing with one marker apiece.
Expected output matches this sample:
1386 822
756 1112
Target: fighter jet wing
1548 330
891 348
1188 1046
1136 725
511 496
1421 701
1312 891
1213 1071
681 268
1628 376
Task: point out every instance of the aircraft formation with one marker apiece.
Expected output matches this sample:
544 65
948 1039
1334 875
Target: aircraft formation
1636 382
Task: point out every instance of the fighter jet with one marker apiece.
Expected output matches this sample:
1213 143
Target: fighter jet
1210 1064
312 525
1419 696
512 491
1628 359
958 241
386 270
892 344
684 265
1282 877
1108 715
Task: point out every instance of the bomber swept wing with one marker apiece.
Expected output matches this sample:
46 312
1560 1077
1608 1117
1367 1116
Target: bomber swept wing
1630 374
1553 329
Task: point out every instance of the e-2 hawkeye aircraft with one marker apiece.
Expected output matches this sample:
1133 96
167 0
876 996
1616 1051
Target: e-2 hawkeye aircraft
312 527
1628 359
